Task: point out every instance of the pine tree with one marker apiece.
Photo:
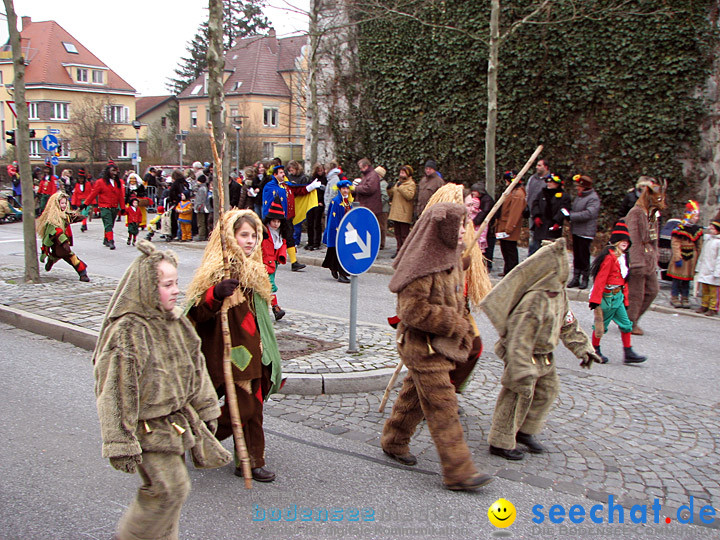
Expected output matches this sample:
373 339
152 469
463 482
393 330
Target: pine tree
241 19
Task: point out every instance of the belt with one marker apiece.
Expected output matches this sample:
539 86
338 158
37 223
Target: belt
612 291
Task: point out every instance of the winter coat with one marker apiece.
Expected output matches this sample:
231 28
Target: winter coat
200 204
367 192
584 213
332 179
185 211
628 202
153 390
108 196
548 207
384 197
686 243
271 256
402 195
134 215
336 211
48 185
284 193
535 185
609 273
708 266
511 213
80 193
644 234
425 190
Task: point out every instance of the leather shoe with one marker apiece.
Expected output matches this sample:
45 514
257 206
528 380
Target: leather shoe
512 455
296 266
405 459
476 481
343 279
259 474
533 446
334 274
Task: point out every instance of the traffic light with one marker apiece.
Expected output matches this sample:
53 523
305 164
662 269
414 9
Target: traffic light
11 137
58 150
31 133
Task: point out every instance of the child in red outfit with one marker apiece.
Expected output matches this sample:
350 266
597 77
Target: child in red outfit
134 217
609 296
274 249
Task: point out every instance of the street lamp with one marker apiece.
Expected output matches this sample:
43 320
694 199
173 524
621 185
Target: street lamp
136 124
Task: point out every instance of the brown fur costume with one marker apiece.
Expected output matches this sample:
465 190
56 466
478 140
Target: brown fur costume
433 334
154 396
530 311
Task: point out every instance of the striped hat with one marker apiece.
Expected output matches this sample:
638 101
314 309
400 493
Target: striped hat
276 210
691 209
620 232
111 163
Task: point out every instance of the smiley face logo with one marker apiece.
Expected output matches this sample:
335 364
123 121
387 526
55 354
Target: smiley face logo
501 513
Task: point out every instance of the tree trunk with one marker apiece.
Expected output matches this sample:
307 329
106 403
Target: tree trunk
312 105
216 65
22 141
491 127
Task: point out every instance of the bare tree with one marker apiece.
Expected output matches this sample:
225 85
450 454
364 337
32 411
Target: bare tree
92 129
161 144
22 139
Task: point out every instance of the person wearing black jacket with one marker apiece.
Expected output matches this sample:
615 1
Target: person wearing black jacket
547 210
178 186
632 196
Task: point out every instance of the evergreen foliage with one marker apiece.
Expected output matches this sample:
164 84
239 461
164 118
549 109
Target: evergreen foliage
613 98
241 18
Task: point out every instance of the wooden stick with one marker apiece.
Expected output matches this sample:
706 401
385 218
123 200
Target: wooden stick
394 377
501 200
230 392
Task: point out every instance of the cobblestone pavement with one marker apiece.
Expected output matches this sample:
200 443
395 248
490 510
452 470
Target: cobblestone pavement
600 440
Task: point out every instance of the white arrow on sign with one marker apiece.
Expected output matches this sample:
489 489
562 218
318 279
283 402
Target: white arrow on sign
352 237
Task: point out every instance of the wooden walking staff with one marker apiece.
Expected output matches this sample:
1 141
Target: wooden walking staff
230 392
467 251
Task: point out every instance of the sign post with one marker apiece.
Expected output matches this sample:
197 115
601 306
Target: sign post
358 243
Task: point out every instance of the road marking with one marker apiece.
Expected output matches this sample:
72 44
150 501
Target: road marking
8 241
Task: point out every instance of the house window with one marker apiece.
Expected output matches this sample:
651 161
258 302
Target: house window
97 76
70 47
268 150
33 111
207 116
82 75
35 148
193 118
60 111
233 114
124 149
163 121
117 114
64 149
270 117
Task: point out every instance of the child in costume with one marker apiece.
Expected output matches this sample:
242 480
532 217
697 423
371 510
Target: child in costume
609 296
185 213
686 243
47 187
708 270
274 249
154 395
255 356
340 205
134 217
79 194
433 334
529 309
53 228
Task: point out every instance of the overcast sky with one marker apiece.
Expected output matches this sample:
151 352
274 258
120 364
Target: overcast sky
142 40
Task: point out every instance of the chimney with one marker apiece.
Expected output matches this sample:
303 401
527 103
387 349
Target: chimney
26 22
273 44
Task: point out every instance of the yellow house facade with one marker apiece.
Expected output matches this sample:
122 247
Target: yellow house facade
264 86
66 87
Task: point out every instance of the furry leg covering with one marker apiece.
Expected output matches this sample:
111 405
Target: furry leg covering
429 393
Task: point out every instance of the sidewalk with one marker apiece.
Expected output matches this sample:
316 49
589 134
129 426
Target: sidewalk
65 309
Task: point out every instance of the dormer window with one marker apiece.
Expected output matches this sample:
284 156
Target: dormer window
82 75
196 90
97 76
70 47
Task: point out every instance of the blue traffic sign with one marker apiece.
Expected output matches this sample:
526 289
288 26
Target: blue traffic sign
358 240
55 161
49 143
54 131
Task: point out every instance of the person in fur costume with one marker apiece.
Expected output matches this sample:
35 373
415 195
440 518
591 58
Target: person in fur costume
609 295
155 399
708 270
433 334
274 250
255 356
686 243
529 309
53 228
644 228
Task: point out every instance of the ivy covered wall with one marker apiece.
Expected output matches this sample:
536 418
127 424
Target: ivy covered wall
613 98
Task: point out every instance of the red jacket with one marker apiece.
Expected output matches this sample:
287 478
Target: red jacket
134 215
108 196
608 274
270 255
48 186
80 193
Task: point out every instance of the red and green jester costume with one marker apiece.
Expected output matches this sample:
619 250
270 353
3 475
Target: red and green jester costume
53 228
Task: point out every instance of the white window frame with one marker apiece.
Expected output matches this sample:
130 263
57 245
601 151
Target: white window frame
95 74
82 74
33 110
70 47
274 115
117 114
193 118
64 148
35 148
125 149
268 150
60 111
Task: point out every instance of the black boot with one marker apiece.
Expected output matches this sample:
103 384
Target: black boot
631 357
575 281
83 228
604 359
83 276
512 455
278 312
533 446
49 264
296 266
111 244
342 278
583 281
